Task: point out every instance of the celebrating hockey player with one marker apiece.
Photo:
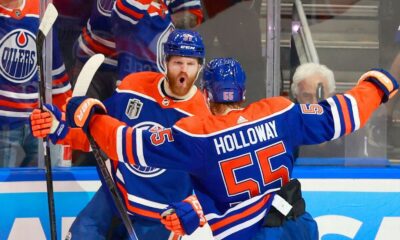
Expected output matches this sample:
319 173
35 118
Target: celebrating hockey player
239 158
131 35
145 100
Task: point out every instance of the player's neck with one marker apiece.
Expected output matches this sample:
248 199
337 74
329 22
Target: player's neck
220 109
11 3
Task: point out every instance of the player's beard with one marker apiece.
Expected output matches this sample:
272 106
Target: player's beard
180 84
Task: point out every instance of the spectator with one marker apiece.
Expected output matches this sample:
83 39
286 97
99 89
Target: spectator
312 83
19 21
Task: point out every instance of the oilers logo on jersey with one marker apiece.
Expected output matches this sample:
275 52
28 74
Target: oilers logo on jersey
133 108
146 172
18 56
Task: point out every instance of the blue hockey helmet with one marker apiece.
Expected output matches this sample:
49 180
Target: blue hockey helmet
224 80
185 43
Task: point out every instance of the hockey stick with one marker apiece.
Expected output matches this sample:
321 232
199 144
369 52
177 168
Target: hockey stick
48 19
80 89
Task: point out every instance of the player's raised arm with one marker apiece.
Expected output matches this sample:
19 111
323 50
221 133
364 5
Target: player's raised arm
156 147
345 113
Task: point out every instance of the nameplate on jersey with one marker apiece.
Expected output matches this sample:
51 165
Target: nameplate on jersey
133 108
18 56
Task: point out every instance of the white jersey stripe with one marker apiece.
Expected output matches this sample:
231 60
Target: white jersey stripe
59 70
101 40
136 93
89 52
138 5
186 5
146 202
243 204
240 227
139 147
19 95
119 144
61 90
119 176
32 15
40 186
336 118
4 15
15 114
122 16
356 115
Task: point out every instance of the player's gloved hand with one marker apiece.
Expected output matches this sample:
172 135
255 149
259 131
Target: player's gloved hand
184 217
384 80
80 110
48 122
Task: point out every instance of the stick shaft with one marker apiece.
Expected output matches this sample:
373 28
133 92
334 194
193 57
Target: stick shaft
112 188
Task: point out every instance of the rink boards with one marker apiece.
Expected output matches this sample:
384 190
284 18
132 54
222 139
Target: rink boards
348 203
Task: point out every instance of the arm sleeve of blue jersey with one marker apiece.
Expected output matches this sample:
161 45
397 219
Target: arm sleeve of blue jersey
133 40
312 123
131 11
61 83
167 149
181 5
330 119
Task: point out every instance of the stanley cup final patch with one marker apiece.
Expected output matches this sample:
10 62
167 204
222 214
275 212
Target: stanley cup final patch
133 108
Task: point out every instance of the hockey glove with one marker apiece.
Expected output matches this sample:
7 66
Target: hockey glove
80 110
184 217
382 79
48 122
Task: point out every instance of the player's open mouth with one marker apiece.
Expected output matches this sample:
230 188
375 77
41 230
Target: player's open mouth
182 80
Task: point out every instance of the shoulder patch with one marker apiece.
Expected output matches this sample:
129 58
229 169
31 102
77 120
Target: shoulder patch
133 108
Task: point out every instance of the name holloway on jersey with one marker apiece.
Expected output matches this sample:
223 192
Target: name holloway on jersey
250 136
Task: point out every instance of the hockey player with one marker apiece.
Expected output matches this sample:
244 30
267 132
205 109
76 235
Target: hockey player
239 158
130 34
145 100
142 26
19 22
